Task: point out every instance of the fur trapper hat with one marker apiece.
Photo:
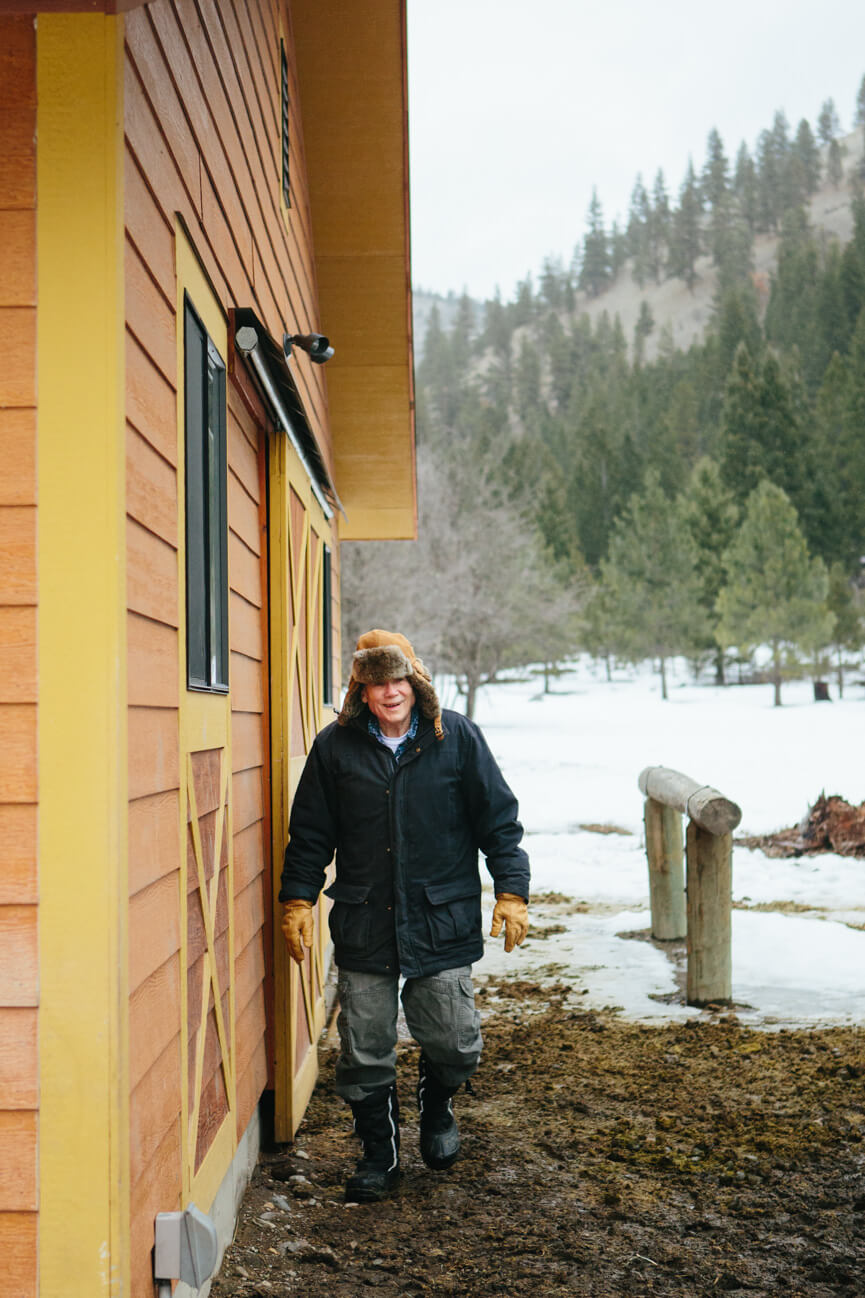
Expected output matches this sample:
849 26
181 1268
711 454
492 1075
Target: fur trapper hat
383 656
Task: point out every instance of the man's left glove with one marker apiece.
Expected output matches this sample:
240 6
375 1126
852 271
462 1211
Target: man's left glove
513 912
298 927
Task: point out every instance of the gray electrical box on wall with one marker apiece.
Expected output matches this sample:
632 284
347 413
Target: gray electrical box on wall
185 1249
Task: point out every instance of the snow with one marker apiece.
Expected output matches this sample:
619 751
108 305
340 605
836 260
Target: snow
573 758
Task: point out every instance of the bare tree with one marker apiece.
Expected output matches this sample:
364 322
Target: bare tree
475 593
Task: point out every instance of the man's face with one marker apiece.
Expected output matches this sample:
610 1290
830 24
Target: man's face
392 704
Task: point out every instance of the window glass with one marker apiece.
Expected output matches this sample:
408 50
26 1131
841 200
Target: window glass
286 187
206 510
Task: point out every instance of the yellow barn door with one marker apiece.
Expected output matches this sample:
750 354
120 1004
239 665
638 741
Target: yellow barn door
298 534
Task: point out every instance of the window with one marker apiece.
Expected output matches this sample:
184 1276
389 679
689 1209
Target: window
326 634
286 189
206 510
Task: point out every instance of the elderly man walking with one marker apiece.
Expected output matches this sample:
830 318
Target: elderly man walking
405 795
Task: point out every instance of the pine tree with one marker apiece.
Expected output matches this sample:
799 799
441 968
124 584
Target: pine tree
845 603
740 428
783 150
651 581
497 329
595 271
835 163
833 324
768 183
527 381
523 309
659 227
618 249
732 251
716 195
805 162
710 514
791 315
644 326
639 215
762 432
852 268
849 459
774 592
828 125
685 242
598 630
678 441
552 285
746 188
463 333
715 180
737 320
859 114
599 480
437 371
831 487
560 353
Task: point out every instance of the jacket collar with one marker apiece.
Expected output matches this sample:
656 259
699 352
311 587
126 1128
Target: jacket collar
425 731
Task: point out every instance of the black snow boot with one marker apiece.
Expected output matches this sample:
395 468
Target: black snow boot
376 1121
439 1135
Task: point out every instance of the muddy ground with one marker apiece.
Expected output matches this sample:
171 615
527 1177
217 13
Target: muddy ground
600 1157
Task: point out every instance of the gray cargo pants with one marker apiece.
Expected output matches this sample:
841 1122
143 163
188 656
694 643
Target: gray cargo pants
441 1016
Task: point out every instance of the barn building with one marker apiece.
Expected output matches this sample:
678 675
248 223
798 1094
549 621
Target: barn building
185 186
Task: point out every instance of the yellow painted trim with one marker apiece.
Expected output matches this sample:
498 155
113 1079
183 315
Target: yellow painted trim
280 610
206 715
217 1160
294 595
83 783
204 723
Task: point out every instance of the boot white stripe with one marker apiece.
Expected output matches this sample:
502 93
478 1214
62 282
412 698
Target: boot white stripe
392 1132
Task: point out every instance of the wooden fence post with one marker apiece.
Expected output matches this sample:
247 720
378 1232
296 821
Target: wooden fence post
711 820
710 880
664 849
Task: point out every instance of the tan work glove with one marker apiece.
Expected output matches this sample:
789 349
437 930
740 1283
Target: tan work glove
513 912
298 927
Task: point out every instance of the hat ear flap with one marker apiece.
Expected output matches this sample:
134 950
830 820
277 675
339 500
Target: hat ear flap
352 704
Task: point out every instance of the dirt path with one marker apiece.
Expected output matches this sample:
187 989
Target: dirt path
600 1158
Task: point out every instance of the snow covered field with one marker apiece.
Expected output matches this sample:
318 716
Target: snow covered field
573 758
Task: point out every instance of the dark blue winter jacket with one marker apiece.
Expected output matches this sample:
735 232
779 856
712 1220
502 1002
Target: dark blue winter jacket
407 891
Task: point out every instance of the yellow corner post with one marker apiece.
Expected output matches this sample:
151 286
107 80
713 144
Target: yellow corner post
83 1018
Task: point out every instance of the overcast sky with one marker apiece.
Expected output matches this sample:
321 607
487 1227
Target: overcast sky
518 109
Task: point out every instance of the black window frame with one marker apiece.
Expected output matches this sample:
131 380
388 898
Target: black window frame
283 118
206 508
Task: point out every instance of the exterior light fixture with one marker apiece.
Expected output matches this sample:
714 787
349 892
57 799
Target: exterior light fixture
316 346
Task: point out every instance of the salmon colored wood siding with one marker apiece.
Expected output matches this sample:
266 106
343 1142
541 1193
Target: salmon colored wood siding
202 143
18 696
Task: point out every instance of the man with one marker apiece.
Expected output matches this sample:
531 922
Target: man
405 795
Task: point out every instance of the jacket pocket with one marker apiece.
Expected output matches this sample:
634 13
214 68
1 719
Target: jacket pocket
453 912
349 919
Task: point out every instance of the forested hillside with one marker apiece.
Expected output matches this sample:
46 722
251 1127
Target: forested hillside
588 485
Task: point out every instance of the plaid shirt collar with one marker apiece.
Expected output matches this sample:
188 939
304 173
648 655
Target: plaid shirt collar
375 730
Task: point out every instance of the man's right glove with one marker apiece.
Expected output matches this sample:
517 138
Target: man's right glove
513 912
298 927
